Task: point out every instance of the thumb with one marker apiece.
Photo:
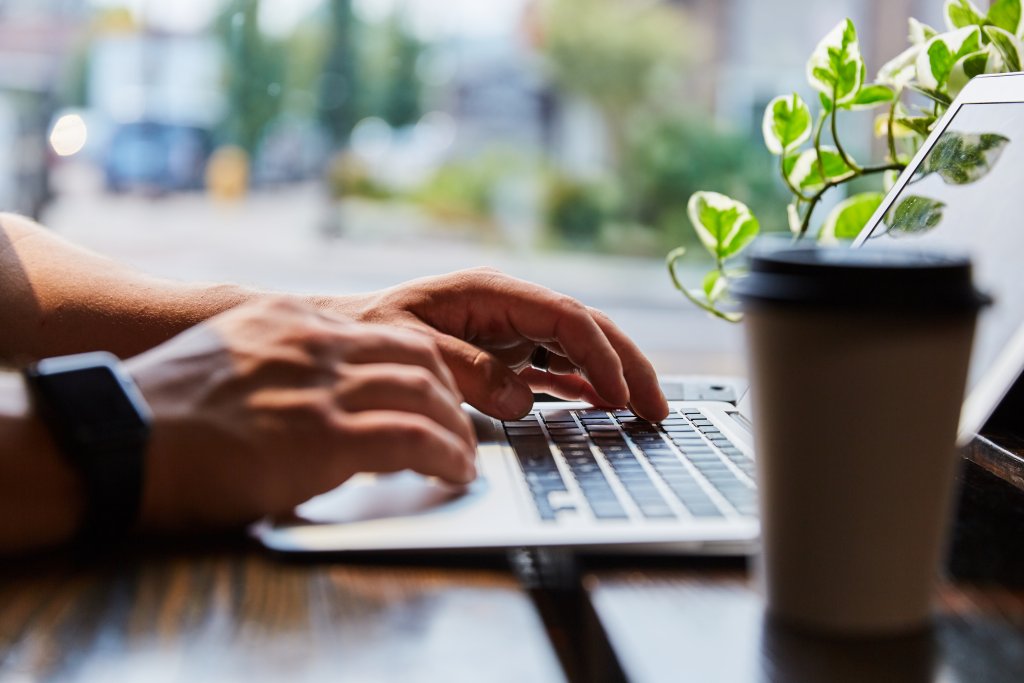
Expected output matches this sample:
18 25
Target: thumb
486 383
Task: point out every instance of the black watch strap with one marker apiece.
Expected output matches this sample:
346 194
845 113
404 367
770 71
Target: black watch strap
100 422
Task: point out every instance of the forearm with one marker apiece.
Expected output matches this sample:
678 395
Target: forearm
57 298
40 497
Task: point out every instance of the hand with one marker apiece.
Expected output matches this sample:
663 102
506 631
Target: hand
487 325
273 402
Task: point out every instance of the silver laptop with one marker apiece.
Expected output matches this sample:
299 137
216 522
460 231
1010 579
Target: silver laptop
572 475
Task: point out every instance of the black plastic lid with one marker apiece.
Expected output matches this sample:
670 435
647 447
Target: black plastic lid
895 280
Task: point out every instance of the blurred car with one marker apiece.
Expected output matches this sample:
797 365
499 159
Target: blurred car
156 158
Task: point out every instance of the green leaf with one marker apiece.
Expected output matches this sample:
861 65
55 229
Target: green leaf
901 69
918 33
796 223
913 215
1007 46
850 216
786 124
966 68
836 68
1006 15
804 172
714 285
922 125
963 158
960 13
939 98
871 96
723 225
939 54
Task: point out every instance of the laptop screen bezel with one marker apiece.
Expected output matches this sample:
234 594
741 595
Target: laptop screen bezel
984 397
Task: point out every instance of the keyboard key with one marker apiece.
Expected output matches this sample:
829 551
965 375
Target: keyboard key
558 416
657 511
525 422
608 510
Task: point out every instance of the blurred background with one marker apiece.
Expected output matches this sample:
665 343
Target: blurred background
347 145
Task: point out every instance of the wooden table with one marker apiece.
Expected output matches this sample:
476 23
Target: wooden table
224 611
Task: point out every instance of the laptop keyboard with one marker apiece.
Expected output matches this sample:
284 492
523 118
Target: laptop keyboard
617 466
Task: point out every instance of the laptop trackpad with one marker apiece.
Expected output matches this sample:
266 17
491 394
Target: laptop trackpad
382 496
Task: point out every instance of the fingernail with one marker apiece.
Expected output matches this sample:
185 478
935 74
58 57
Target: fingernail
512 400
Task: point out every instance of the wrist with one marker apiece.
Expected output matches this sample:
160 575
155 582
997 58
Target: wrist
100 423
42 501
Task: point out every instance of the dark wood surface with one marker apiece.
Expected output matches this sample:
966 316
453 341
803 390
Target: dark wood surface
236 614
222 610
707 624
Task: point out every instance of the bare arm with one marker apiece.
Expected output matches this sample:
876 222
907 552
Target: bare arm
57 298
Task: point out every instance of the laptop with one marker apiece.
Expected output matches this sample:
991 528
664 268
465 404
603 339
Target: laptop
571 475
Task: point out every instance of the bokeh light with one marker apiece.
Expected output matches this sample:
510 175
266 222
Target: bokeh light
69 135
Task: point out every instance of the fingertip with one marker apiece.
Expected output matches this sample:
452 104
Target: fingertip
465 470
655 410
513 399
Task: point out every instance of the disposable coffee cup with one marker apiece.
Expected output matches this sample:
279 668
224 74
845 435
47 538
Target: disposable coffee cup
858 363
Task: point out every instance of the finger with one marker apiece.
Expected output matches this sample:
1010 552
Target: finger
560 365
406 388
645 395
568 387
486 382
390 441
380 344
544 316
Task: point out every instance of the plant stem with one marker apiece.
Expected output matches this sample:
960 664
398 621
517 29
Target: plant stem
847 159
671 260
840 180
789 183
817 143
893 156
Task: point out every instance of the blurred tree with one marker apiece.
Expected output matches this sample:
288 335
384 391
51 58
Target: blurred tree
254 73
613 54
339 81
304 49
401 102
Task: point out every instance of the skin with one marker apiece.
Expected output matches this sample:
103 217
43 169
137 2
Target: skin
261 401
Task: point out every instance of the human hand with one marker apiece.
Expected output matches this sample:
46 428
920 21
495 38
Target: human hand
487 326
265 406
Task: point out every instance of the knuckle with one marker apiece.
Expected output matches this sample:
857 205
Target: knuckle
569 304
420 342
284 304
484 366
598 314
417 435
485 270
421 381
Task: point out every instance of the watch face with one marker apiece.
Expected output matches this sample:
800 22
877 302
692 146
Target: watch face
91 403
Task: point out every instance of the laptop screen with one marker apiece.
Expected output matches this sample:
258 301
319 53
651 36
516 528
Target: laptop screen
967 195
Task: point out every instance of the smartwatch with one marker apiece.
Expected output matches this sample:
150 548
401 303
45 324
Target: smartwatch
100 423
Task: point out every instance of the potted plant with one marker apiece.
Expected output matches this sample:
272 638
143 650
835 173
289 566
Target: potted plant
912 91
